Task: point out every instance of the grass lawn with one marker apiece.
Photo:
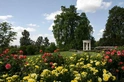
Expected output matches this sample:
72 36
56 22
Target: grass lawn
65 54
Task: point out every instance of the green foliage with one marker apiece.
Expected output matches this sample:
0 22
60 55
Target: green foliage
114 32
6 34
14 50
70 28
52 47
23 48
42 48
120 47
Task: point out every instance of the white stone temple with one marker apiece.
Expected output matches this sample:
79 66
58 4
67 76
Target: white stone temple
86 45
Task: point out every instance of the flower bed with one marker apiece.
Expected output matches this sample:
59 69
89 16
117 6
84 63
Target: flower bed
53 67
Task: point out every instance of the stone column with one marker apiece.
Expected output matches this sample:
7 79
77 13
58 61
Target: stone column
86 46
90 46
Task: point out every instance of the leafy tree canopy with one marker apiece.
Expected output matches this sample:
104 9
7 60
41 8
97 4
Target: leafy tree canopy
6 34
70 28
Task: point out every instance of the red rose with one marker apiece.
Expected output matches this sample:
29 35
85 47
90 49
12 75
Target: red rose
122 67
21 52
40 51
117 70
43 57
8 66
112 53
107 57
49 54
114 50
15 56
51 63
21 57
45 60
24 56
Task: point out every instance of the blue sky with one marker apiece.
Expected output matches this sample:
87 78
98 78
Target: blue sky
37 16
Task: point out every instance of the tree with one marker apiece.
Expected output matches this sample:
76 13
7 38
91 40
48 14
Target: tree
25 40
114 32
46 42
39 41
70 28
6 34
83 31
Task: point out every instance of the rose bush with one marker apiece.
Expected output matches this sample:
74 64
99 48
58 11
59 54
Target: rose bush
115 62
11 63
53 67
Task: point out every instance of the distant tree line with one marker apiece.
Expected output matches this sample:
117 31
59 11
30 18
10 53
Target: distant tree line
27 45
69 29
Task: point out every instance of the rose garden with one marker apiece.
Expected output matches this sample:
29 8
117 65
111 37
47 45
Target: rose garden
69 59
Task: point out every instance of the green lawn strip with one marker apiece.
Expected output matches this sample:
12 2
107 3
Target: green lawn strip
65 54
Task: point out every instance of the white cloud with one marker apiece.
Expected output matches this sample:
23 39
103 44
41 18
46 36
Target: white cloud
105 5
92 5
50 37
93 30
100 32
51 27
19 30
32 25
51 16
4 18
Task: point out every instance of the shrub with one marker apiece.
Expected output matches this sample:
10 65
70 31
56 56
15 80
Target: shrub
23 48
30 49
14 50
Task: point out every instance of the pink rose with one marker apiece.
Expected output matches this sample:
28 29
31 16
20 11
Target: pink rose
8 66
118 53
53 67
108 52
110 60
122 67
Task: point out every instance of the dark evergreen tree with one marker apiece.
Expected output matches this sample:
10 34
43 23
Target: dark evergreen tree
25 40
46 42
